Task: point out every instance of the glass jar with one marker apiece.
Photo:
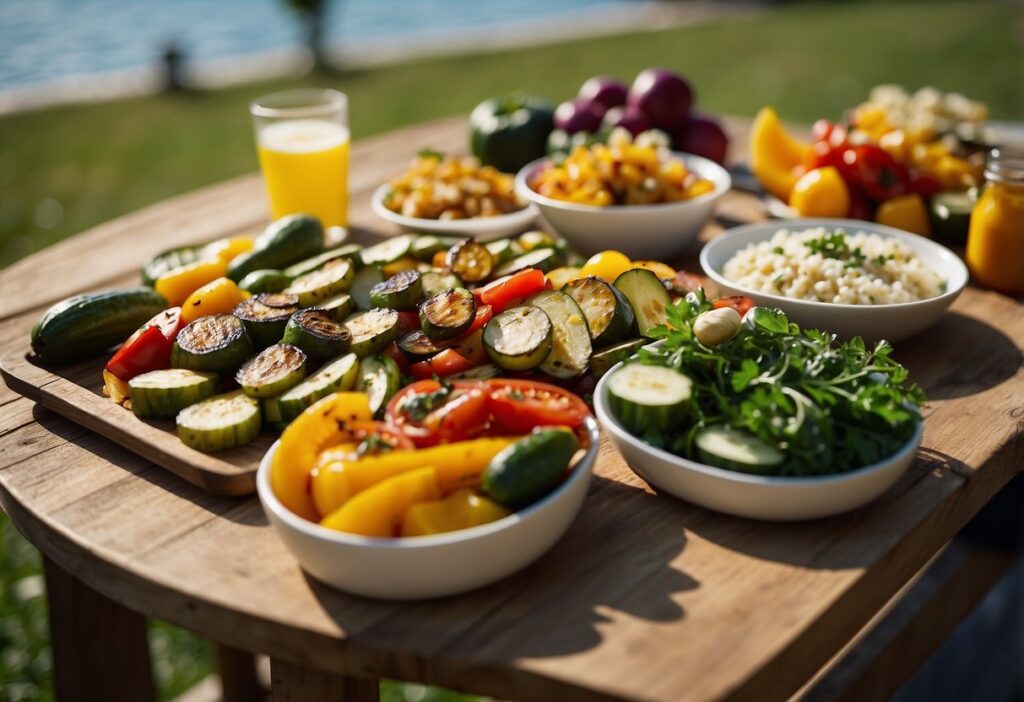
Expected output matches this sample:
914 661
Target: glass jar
995 240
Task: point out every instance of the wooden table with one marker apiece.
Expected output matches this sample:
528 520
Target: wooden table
645 598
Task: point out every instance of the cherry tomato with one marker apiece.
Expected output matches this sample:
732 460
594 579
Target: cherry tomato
860 205
521 405
504 290
740 303
408 320
430 413
149 348
924 183
877 173
606 264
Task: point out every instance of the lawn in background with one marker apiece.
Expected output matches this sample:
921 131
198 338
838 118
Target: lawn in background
64 170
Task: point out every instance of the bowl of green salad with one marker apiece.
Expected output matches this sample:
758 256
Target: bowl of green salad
755 417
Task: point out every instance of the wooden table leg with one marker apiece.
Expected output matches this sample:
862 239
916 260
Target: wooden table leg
100 649
296 683
237 670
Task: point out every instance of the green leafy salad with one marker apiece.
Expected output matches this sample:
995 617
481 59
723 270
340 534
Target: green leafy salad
757 394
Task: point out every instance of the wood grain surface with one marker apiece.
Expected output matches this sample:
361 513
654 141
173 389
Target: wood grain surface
646 597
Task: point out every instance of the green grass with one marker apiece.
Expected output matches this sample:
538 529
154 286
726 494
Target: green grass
66 169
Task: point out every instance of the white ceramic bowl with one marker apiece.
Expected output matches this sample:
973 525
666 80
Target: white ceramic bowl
481 228
891 322
662 231
752 496
430 566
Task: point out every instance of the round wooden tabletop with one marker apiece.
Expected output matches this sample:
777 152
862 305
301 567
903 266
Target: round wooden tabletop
646 597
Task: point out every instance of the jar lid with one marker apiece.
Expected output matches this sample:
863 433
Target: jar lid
1005 165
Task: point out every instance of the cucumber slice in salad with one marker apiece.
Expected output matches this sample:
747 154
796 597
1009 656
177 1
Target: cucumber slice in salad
471 261
164 393
379 377
388 251
646 295
217 343
317 333
448 314
519 339
265 322
434 282
609 314
220 422
372 330
544 259
645 398
324 283
272 371
401 291
733 449
363 281
571 348
602 361
336 376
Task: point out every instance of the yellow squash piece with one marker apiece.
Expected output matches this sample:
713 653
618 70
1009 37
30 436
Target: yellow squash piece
459 465
178 283
220 296
776 157
563 275
821 192
907 213
377 511
227 249
318 427
657 268
460 510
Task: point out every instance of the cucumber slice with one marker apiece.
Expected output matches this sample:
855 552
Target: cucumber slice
434 282
221 422
425 246
266 280
645 398
340 306
470 260
570 341
317 333
484 372
372 330
448 314
379 377
420 346
272 371
164 393
338 375
646 295
734 449
544 259
362 284
609 314
324 283
401 291
519 338
217 343
504 250
950 215
602 361
264 323
388 251
350 252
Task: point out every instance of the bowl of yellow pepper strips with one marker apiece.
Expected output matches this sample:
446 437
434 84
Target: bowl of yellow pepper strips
365 511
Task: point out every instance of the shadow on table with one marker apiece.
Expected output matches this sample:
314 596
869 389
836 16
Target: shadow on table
852 540
616 562
981 358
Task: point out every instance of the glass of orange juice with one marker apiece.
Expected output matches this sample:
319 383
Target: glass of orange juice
303 142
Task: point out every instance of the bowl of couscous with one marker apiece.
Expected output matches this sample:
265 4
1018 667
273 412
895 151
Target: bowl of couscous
850 277
647 202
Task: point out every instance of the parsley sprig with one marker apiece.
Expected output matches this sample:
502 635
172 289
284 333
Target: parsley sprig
834 245
828 407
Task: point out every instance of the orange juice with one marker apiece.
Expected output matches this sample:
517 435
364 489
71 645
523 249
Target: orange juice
305 167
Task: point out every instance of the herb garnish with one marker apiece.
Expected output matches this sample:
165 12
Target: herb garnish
373 444
417 407
828 407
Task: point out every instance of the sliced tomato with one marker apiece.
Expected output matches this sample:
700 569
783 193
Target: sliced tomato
408 321
442 364
149 348
518 285
388 437
429 413
483 316
521 405
740 303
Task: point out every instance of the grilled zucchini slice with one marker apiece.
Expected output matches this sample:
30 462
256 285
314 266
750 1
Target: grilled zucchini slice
372 330
335 376
504 250
426 245
646 295
340 306
570 342
220 422
448 314
163 393
519 338
217 343
350 252
317 333
602 361
362 284
272 371
609 315
420 346
401 291
379 377
388 251
470 260
324 283
265 280
435 282
264 318
544 259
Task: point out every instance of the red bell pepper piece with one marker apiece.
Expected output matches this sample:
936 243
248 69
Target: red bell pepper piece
518 285
443 364
483 316
408 321
149 348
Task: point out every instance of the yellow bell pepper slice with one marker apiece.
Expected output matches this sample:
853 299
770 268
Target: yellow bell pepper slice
657 268
227 249
459 465
220 296
460 510
821 192
318 427
178 283
406 263
560 276
378 511
776 157
907 213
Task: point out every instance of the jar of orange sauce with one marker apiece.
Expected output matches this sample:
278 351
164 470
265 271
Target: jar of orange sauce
995 240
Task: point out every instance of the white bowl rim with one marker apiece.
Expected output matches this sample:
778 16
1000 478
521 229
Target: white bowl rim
610 424
705 167
958 268
469 225
270 500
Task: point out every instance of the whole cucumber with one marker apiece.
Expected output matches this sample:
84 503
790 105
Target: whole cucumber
286 241
85 325
524 472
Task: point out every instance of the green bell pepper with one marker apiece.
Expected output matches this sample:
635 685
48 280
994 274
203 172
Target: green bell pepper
508 132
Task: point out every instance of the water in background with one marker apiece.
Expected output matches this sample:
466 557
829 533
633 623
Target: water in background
46 40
